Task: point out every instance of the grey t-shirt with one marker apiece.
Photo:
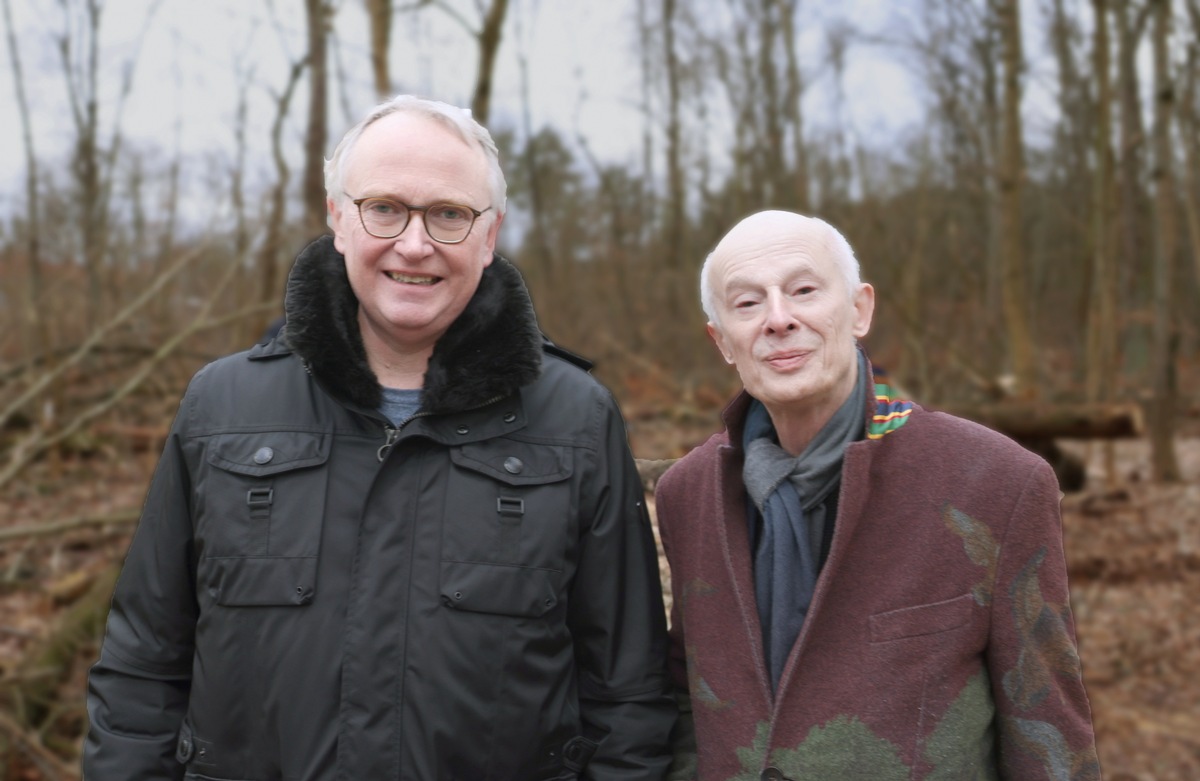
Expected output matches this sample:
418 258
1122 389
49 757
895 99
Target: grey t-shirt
400 404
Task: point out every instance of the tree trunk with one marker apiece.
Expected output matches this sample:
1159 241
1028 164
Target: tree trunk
380 14
318 14
1166 335
1102 311
35 339
675 192
1015 290
489 45
793 110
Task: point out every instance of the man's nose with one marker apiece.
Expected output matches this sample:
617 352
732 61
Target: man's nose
780 318
414 239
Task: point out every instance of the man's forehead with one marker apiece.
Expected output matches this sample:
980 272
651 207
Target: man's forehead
772 239
770 229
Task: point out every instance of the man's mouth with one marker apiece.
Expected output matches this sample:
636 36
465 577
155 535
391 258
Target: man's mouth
411 279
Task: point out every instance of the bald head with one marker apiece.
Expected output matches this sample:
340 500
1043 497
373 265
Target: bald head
769 233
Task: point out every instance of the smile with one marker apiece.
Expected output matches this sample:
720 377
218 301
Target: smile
411 279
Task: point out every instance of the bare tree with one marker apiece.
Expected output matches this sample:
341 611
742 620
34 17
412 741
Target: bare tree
93 159
1131 17
673 237
1011 176
319 14
1166 335
489 46
487 35
272 246
379 12
35 337
1102 315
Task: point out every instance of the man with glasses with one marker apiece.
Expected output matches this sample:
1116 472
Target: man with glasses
405 539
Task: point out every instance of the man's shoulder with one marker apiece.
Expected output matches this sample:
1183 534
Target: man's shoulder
694 468
933 431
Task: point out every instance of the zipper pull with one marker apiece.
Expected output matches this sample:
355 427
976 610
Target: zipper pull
391 435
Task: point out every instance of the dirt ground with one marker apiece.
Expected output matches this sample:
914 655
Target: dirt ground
1133 549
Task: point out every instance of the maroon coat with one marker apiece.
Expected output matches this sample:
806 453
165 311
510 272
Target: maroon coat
939 643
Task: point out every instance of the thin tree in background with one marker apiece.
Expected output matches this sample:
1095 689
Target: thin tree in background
1101 346
1131 18
793 112
272 248
489 45
379 13
319 15
1189 110
1011 175
1166 336
487 40
34 335
673 236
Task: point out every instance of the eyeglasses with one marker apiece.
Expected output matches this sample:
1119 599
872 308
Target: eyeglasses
446 223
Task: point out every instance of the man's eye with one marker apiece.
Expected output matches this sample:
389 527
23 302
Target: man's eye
449 212
381 208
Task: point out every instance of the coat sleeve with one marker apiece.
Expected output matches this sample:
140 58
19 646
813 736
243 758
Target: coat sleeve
138 690
617 620
683 739
1045 726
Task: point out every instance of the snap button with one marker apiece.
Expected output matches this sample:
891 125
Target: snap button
458 595
510 417
514 465
463 430
263 455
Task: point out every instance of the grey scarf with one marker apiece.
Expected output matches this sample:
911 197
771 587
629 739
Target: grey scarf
792 496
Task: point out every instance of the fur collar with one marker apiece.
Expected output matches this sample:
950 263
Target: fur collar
491 350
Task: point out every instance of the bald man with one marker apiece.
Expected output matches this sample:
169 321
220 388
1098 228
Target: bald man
862 589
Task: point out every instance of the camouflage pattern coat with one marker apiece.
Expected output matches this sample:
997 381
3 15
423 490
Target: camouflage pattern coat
939 644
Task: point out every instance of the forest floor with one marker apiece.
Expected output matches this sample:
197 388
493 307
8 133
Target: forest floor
1133 550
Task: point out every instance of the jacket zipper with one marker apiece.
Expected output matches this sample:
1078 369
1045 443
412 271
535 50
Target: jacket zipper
392 433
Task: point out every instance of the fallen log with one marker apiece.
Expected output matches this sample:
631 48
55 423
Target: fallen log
1035 425
1039 420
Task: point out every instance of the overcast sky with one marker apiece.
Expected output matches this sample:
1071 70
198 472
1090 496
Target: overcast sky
582 69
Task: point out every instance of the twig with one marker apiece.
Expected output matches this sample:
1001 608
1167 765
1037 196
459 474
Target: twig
81 522
33 746
148 295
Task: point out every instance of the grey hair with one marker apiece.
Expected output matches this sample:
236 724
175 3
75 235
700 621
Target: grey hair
830 238
455 119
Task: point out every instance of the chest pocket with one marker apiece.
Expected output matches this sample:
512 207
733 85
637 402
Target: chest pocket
510 512
259 530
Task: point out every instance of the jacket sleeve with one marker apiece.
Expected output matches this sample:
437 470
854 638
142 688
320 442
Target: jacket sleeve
683 738
616 617
1045 726
138 690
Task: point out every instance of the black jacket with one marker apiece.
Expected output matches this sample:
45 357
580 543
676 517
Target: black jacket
312 594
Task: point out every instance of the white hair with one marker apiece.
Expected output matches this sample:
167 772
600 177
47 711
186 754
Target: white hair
828 236
457 120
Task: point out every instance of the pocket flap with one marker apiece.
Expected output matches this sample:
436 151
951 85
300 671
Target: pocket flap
515 463
269 452
263 581
498 588
921 620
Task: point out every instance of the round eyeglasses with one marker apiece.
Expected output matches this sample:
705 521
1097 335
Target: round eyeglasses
445 223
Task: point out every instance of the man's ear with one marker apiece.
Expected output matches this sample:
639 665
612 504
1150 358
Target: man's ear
714 332
336 213
864 309
489 244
